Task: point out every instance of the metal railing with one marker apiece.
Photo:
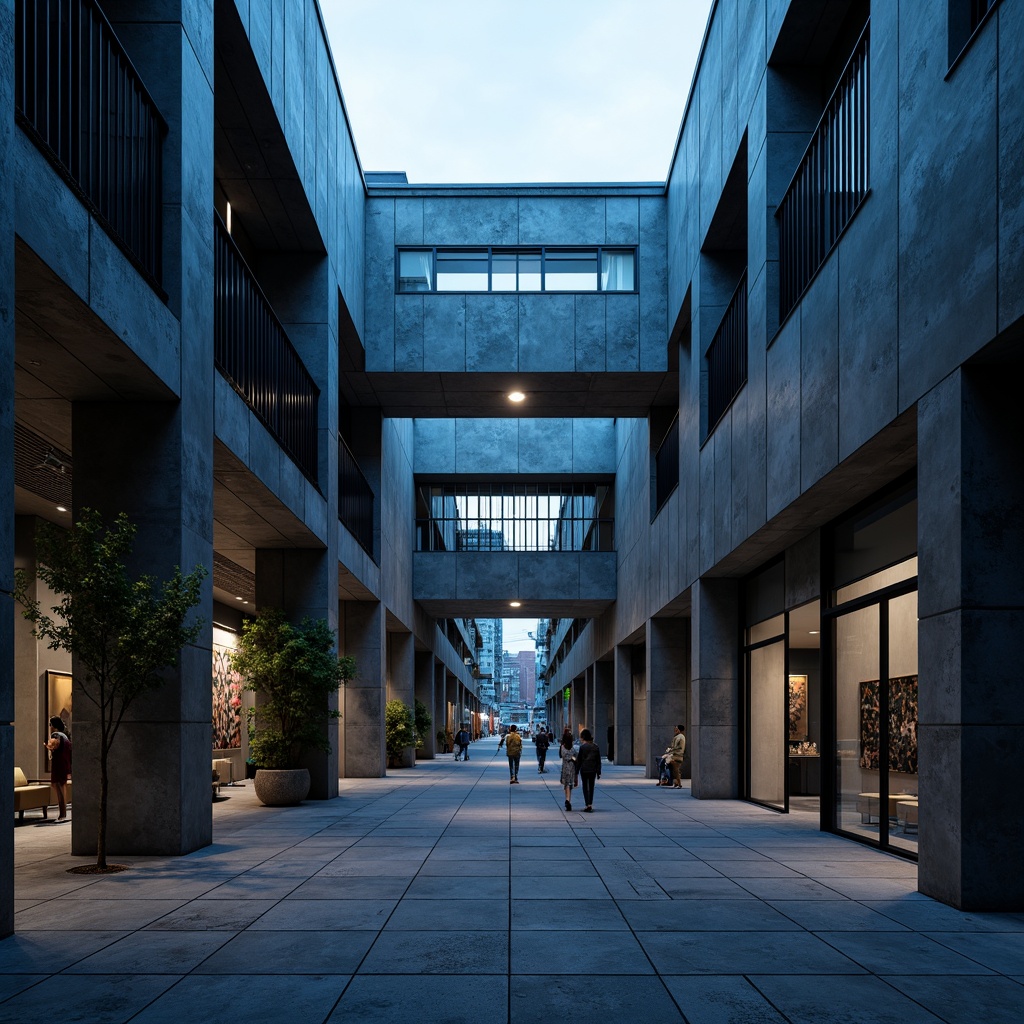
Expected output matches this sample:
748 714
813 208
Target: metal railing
79 98
666 465
355 498
727 356
830 183
252 350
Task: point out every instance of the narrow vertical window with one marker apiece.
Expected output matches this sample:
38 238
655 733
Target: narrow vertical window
415 270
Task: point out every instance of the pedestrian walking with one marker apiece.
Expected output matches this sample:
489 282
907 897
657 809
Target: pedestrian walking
541 742
568 777
58 748
513 744
674 756
588 766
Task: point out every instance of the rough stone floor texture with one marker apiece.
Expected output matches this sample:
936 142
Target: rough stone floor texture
442 893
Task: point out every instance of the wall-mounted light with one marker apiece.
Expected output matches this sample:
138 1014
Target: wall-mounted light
515 604
227 218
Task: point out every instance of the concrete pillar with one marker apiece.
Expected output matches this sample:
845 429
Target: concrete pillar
7 611
302 585
623 704
604 702
714 741
363 631
438 707
401 668
132 458
971 618
668 678
424 675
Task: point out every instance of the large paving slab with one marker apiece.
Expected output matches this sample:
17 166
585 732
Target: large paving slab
443 894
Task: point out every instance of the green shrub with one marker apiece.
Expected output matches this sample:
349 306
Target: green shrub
422 723
399 729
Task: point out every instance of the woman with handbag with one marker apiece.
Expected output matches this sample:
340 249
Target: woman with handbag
568 778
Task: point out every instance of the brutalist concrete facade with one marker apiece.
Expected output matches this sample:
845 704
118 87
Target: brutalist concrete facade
900 360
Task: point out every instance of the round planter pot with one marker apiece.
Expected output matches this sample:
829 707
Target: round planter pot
281 788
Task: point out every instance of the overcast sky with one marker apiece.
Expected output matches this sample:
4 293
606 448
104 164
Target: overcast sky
524 91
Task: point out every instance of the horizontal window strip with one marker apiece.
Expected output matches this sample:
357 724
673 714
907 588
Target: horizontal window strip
516 269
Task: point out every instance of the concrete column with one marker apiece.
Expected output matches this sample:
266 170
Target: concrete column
364 636
438 706
7 611
623 704
402 680
301 583
132 458
604 702
715 694
971 618
425 695
668 696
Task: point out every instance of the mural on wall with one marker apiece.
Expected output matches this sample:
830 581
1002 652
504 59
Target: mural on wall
798 727
227 701
902 724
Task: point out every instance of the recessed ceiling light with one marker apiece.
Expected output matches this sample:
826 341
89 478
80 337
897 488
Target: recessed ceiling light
813 632
516 396
515 604
238 599
61 508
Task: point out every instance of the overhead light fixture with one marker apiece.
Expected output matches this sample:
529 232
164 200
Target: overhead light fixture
53 463
227 218
813 632
516 396
61 508
515 604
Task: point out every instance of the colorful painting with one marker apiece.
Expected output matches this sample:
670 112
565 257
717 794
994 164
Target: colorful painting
227 701
902 724
798 727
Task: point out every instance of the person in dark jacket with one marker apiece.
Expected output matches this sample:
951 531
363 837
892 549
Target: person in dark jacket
541 740
59 748
588 767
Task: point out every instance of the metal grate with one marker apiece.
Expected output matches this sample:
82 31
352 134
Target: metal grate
78 96
41 468
830 183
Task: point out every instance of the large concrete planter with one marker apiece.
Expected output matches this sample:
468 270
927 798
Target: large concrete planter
281 788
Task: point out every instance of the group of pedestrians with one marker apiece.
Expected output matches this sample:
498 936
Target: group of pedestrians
581 763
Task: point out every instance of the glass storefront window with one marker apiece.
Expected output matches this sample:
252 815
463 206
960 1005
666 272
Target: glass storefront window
903 721
767 689
877 581
775 626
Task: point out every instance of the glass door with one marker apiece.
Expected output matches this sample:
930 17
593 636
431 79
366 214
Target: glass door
769 699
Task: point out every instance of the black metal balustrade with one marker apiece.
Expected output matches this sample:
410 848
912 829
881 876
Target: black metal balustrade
79 98
830 183
727 356
666 465
355 498
251 349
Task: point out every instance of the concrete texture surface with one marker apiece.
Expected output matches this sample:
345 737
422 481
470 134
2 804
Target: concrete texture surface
441 893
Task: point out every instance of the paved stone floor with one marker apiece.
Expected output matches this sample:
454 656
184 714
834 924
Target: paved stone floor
445 894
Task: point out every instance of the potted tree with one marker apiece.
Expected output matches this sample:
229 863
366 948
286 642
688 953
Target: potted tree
399 730
293 670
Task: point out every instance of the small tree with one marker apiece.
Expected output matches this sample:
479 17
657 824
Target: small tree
399 729
295 669
122 632
422 722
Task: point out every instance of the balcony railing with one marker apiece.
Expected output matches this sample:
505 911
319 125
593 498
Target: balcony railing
666 465
251 349
727 356
79 98
355 498
830 183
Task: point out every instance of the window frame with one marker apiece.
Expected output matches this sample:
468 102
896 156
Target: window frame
540 251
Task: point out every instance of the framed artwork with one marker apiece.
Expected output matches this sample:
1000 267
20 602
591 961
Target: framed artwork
58 699
227 701
902 724
798 720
